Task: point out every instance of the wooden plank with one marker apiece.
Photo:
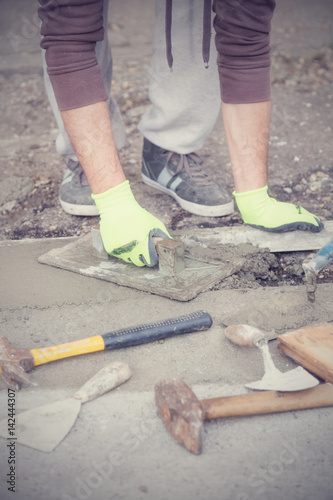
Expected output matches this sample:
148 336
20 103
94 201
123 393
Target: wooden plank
312 347
292 241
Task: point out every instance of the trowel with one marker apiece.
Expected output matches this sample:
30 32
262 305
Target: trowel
180 275
43 428
293 380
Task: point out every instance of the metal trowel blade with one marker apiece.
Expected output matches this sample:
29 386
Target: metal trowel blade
293 380
43 428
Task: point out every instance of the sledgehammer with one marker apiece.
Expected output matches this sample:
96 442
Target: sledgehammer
183 414
14 363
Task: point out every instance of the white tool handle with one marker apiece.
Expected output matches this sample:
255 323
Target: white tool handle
106 379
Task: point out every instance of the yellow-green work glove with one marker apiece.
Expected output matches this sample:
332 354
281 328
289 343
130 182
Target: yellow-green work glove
127 228
259 210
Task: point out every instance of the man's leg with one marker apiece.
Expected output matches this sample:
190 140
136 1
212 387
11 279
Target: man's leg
242 40
185 106
75 192
186 100
247 131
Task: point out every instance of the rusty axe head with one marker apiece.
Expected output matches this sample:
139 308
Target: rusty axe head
181 412
14 364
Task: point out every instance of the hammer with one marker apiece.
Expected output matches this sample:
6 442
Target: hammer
183 414
15 363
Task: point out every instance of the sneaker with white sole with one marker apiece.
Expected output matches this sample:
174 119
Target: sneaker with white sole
184 178
75 192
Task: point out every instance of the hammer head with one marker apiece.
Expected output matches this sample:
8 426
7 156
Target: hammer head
14 363
181 412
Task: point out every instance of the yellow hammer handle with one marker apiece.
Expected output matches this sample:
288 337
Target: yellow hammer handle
46 354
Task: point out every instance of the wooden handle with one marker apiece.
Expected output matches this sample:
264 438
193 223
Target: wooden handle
107 378
244 335
267 402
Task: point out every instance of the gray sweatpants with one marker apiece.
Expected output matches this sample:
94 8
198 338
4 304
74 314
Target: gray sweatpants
184 103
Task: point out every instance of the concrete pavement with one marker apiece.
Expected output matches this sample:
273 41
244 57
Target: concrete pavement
118 447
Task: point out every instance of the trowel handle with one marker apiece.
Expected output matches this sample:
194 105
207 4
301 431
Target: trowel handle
322 258
245 335
107 378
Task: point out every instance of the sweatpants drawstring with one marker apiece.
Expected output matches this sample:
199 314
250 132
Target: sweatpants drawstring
206 35
168 23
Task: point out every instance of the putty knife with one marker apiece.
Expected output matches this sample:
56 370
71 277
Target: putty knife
43 428
273 380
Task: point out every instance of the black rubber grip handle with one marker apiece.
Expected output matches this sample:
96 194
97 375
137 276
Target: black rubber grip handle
194 322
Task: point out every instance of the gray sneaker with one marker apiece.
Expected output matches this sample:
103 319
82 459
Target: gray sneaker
183 178
75 192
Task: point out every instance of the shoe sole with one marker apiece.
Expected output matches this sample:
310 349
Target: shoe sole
84 210
194 208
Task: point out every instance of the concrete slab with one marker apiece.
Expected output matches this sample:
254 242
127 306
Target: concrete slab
293 241
118 447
